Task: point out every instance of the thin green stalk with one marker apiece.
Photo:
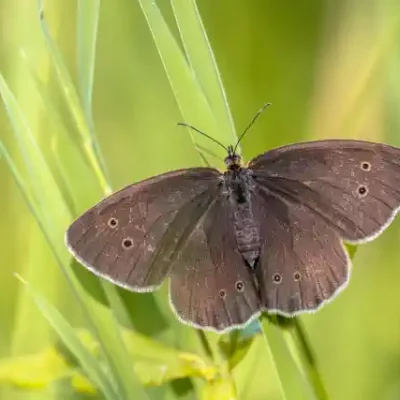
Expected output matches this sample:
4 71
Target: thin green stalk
294 337
267 337
304 358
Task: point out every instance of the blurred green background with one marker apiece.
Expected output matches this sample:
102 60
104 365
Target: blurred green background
329 68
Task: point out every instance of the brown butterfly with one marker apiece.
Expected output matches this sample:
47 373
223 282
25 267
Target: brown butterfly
268 236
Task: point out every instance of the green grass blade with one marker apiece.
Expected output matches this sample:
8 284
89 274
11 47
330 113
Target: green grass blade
89 364
30 199
41 180
116 348
87 28
188 93
273 345
304 358
72 100
202 61
116 304
283 341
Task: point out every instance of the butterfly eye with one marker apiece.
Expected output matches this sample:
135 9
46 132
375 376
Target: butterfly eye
239 286
297 276
112 222
366 166
277 278
222 293
362 191
127 243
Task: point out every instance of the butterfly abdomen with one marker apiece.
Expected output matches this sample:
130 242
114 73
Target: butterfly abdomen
247 233
246 228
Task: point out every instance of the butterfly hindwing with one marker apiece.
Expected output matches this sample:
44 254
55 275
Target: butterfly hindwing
211 285
302 262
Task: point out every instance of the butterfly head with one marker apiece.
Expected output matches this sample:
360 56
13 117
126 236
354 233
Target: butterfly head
233 160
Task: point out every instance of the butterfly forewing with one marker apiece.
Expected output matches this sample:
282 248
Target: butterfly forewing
354 186
130 236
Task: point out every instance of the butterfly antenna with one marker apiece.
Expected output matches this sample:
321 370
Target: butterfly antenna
251 124
202 133
205 150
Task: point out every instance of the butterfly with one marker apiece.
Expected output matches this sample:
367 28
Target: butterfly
268 236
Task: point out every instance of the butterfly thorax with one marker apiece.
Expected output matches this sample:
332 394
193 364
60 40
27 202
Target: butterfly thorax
238 185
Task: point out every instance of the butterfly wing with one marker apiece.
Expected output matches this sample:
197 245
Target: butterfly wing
353 186
302 263
132 236
211 286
